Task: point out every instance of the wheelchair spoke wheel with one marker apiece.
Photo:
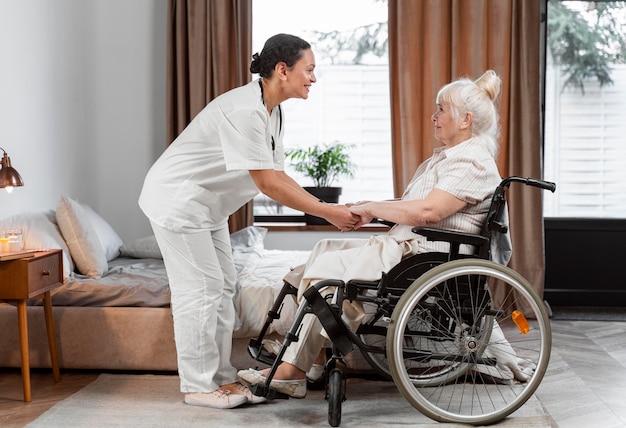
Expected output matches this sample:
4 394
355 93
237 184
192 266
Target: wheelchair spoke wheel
335 395
469 342
373 330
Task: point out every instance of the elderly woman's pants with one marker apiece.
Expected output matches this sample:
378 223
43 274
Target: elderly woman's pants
312 337
202 281
333 258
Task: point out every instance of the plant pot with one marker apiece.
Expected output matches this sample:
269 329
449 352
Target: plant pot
326 194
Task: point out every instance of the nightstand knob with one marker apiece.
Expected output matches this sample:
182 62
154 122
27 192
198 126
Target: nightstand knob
45 272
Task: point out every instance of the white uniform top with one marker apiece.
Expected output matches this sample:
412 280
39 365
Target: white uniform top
202 177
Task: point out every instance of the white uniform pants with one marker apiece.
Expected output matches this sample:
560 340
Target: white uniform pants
202 279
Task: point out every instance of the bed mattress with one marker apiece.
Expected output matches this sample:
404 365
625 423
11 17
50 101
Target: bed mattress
132 282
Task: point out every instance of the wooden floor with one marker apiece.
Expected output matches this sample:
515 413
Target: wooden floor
14 412
584 386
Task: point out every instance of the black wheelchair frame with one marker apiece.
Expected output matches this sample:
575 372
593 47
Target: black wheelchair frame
432 326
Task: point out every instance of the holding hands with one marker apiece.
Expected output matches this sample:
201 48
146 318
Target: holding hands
343 218
360 209
350 216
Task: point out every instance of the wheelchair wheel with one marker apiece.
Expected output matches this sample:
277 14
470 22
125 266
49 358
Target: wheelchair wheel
335 395
373 330
469 342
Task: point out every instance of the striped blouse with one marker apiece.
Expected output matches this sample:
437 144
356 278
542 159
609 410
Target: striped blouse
466 171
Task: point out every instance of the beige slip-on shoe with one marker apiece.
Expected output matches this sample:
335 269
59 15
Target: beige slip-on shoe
293 388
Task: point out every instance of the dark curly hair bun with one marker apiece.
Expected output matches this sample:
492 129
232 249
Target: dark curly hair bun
279 48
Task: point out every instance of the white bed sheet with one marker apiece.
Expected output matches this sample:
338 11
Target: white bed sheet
260 285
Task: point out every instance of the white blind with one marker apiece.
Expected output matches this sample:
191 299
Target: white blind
585 147
349 104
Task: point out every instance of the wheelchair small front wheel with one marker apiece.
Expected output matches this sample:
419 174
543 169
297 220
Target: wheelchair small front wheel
481 352
335 394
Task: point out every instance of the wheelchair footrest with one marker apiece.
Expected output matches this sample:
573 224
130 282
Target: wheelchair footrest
260 390
331 321
259 353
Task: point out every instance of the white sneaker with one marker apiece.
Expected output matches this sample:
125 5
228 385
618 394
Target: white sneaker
293 388
238 388
218 399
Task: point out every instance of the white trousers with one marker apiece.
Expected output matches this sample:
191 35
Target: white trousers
202 279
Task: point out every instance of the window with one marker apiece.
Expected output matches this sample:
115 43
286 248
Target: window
585 105
350 101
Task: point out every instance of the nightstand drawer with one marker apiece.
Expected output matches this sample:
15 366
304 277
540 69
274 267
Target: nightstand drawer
30 277
43 272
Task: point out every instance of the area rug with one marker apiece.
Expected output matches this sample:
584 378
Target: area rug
122 400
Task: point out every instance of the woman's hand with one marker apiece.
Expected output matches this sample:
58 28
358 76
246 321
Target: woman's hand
341 217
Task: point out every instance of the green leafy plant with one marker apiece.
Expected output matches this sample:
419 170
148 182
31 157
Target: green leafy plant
586 47
322 163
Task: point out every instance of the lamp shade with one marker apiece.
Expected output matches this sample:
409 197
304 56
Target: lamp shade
9 177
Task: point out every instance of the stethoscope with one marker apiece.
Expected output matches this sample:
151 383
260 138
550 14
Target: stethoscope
280 116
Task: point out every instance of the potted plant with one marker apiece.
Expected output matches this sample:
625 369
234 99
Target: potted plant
323 164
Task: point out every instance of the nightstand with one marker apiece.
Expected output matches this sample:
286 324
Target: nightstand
32 278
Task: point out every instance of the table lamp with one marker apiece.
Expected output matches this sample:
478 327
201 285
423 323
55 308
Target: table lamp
9 177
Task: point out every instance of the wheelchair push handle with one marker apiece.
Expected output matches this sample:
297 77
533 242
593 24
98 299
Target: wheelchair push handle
535 182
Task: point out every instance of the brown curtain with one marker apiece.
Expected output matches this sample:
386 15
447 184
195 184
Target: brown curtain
209 47
432 42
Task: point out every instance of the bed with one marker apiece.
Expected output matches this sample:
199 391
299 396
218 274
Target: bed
112 311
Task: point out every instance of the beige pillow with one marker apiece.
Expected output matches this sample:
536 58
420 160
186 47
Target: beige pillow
81 238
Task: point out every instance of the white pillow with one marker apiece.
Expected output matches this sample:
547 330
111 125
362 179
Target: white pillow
142 248
81 238
40 232
248 248
110 240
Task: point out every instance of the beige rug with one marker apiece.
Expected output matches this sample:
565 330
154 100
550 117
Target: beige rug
122 400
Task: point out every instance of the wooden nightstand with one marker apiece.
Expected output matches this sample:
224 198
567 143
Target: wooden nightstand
33 278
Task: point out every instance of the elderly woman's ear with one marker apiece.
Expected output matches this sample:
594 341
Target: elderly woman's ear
467 119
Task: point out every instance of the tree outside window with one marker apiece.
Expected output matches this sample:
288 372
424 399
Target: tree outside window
585 126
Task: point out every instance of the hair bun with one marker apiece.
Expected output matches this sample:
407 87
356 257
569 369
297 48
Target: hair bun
255 65
489 82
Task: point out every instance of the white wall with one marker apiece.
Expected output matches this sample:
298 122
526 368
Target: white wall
82 103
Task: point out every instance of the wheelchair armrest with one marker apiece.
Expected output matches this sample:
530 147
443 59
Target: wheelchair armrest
383 221
451 236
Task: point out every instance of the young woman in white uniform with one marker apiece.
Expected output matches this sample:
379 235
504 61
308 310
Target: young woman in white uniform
228 153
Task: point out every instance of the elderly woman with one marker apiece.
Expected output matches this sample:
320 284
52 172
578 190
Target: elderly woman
451 190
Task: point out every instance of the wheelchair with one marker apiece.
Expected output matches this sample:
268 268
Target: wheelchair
464 338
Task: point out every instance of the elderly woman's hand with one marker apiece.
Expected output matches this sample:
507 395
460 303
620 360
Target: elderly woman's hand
360 209
352 204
